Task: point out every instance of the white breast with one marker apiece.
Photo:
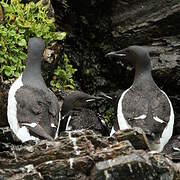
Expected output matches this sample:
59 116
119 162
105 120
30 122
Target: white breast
168 131
57 130
123 124
21 133
67 125
112 131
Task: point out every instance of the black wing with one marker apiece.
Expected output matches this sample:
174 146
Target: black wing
85 119
40 107
152 104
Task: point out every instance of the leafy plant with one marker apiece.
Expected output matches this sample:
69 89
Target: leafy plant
110 116
23 21
63 76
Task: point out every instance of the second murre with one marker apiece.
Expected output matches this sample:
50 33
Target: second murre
144 104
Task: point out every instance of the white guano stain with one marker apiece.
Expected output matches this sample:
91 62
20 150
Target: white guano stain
29 168
130 168
71 160
48 162
107 175
74 141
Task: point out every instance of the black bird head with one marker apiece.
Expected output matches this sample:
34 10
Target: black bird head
136 56
78 100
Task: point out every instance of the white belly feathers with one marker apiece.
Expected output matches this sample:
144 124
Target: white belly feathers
21 133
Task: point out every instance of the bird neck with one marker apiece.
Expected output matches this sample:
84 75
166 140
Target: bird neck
32 73
143 76
33 64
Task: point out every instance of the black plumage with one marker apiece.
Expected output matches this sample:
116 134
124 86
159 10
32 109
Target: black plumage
33 109
76 113
37 106
144 105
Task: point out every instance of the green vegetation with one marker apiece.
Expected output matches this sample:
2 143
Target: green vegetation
63 77
109 116
23 21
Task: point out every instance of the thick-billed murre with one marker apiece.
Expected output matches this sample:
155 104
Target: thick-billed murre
144 104
33 110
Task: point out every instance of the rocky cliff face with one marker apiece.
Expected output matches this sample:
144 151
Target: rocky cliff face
97 27
84 155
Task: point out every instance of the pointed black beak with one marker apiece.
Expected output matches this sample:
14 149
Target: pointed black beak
116 54
121 57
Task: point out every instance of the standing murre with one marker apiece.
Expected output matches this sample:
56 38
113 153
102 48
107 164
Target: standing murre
33 110
144 104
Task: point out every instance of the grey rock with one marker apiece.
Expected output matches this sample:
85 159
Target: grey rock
3 107
136 136
85 155
6 135
134 166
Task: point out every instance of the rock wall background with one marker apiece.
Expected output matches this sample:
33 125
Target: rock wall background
94 28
